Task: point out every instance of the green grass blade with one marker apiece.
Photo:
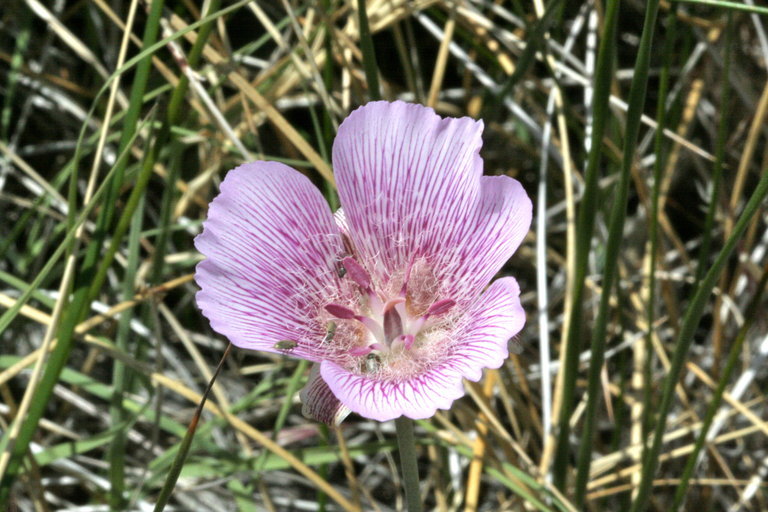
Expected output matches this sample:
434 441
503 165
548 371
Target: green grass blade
130 121
613 245
653 228
533 43
85 212
369 54
73 315
685 339
737 6
720 147
181 456
585 225
24 21
120 374
751 314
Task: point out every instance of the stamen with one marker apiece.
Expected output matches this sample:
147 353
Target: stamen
392 326
361 351
406 277
357 273
340 311
440 307
391 303
372 326
405 340
344 313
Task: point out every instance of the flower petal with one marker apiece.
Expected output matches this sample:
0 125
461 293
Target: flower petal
318 403
482 342
408 180
497 227
494 318
383 400
411 187
271 244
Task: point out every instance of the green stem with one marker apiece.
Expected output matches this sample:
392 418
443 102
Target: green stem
717 396
369 54
186 443
653 218
408 463
737 6
684 340
585 226
612 249
717 170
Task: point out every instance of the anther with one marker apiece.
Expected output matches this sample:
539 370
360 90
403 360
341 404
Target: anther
357 273
362 351
440 307
406 277
406 340
344 313
391 303
340 311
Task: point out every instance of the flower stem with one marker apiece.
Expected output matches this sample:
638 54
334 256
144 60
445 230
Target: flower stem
408 462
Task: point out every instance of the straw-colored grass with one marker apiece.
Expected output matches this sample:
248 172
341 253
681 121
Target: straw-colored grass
118 120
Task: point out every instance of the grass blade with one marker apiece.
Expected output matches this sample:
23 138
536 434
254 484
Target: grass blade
685 338
369 54
186 443
615 237
586 221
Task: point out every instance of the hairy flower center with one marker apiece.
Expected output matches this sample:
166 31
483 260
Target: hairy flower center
391 329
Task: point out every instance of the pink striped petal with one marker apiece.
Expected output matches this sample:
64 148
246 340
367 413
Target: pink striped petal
383 400
494 318
411 186
271 244
318 403
408 181
497 227
481 342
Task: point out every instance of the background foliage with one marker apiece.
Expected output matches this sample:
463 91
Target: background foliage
638 128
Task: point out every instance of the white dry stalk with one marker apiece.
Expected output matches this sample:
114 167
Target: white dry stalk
672 95
590 58
33 181
80 48
194 80
738 390
483 77
555 99
760 32
542 292
757 480
316 78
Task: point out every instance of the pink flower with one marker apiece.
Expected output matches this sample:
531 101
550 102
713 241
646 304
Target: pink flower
386 297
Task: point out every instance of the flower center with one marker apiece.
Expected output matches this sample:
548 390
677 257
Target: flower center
389 326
